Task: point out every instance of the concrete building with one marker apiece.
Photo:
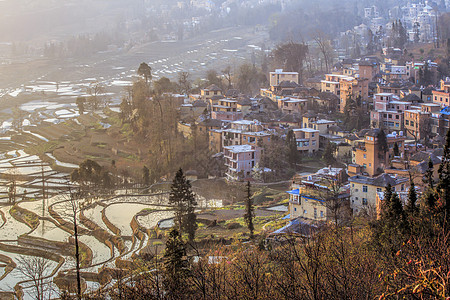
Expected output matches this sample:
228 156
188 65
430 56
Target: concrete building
307 140
442 96
364 189
312 196
240 160
370 156
279 76
210 91
292 105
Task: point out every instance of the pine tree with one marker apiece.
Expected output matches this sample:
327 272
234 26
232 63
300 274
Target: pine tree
411 206
382 144
443 186
146 176
429 174
182 197
293 153
386 201
175 266
328 155
249 211
396 149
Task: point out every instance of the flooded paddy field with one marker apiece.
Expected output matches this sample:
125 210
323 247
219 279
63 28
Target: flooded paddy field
38 114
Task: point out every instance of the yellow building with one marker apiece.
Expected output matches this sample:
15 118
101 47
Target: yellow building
312 196
210 91
364 189
369 154
279 76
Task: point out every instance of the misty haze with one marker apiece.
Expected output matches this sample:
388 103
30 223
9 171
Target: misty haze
224 149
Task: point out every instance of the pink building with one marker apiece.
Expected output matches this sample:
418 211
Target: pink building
240 160
389 112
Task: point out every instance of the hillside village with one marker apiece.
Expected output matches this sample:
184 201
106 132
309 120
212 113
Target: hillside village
373 121
225 149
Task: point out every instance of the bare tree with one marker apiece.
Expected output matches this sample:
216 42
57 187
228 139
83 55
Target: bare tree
96 92
228 76
34 269
325 47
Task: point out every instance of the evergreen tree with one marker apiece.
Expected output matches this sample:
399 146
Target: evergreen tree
429 174
175 266
386 201
146 71
382 143
182 197
396 150
328 154
249 211
293 153
411 206
443 187
146 176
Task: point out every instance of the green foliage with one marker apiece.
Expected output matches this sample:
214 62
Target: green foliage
146 71
90 172
291 56
411 207
80 103
382 142
164 85
249 211
396 149
175 266
399 35
146 176
328 153
182 197
293 154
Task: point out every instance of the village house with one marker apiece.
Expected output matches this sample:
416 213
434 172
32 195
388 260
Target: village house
442 96
282 84
322 125
279 76
307 140
240 161
351 87
418 121
389 112
321 196
369 155
292 105
363 190
226 110
210 91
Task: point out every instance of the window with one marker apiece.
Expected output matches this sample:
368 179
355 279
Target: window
397 117
403 187
379 190
315 213
321 214
412 123
364 201
407 122
313 143
312 135
364 188
295 208
305 212
365 156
